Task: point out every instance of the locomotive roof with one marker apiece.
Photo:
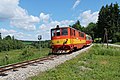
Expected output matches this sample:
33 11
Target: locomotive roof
67 27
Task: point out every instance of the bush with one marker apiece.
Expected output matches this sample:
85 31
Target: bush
26 54
8 43
116 37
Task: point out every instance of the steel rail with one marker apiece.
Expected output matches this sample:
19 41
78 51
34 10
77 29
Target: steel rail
24 63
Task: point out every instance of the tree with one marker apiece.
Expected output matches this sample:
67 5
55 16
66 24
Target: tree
7 44
8 37
77 25
90 29
109 18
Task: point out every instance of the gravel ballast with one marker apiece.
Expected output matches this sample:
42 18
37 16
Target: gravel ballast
32 70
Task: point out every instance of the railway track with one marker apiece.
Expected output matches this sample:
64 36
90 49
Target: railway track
14 67
41 65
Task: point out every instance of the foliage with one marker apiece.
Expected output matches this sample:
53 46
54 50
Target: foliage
0 36
28 53
43 44
118 43
27 42
90 29
109 18
9 43
90 65
110 51
77 25
97 40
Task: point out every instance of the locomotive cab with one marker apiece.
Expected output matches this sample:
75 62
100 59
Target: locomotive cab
60 40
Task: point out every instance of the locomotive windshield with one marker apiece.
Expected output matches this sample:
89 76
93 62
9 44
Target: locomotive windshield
59 32
64 31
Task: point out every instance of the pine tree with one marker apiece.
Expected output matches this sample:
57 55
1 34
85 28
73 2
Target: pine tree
109 18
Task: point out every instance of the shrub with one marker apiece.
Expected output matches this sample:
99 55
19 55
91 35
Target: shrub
26 54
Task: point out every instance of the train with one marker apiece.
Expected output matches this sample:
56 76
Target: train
67 39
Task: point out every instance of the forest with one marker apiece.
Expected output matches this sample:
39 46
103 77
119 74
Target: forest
109 18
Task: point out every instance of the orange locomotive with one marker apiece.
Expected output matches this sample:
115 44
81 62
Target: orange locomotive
66 39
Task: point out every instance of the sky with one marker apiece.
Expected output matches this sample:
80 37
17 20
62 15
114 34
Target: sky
26 19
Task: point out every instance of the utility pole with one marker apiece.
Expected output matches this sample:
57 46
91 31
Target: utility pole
105 37
39 38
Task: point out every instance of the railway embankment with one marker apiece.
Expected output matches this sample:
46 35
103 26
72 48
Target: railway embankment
35 69
99 63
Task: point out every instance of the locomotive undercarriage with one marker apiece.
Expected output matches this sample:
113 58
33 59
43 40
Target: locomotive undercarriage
61 49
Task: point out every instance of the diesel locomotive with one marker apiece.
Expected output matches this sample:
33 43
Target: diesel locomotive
67 39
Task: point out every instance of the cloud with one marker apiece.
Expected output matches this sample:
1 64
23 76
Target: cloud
76 4
87 16
53 24
26 23
7 8
10 10
4 31
16 34
44 29
44 17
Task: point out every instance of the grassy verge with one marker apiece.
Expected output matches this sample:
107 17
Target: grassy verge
117 43
99 63
14 56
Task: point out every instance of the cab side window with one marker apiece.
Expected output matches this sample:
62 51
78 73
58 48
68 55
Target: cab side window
74 32
82 35
53 33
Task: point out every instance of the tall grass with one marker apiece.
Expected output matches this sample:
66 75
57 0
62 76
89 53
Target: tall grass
102 50
118 43
99 63
27 53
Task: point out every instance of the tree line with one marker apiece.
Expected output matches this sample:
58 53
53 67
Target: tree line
109 18
9 43
42 44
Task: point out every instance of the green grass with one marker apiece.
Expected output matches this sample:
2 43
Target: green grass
22 55
27 42
117 43
99 63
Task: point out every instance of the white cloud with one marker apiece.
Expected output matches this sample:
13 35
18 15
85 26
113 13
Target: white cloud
10 10
53 24
44 29
16 34
44 17
76 4
4 31
7 8
87 16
